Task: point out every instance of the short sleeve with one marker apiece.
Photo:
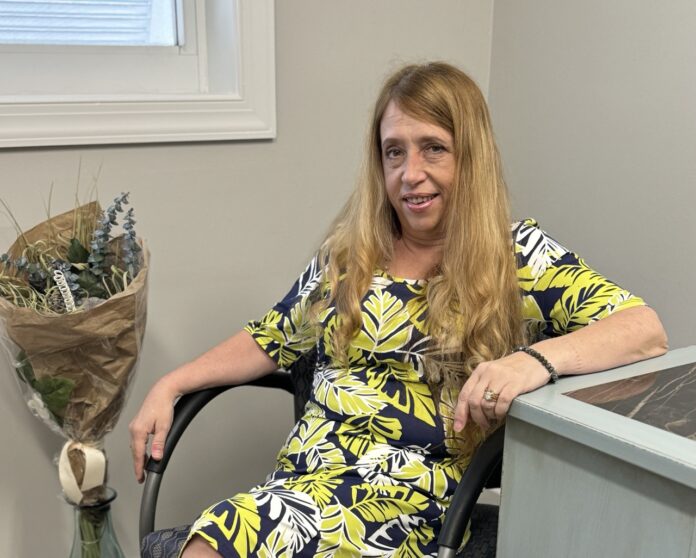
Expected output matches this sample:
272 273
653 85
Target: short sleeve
285 333
561 293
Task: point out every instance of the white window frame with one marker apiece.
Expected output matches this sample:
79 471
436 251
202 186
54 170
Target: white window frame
222 101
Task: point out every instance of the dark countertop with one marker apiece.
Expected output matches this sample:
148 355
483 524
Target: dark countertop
665 399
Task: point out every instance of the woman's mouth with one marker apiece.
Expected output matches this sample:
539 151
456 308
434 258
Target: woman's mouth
418 203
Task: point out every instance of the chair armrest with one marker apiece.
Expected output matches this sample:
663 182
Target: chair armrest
188 406
185 410
484 463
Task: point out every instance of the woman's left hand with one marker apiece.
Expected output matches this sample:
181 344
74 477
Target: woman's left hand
503 380
621 338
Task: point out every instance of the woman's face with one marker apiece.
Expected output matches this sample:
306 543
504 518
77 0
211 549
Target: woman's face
418 163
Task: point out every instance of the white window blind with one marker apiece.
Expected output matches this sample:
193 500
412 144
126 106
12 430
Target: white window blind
88 22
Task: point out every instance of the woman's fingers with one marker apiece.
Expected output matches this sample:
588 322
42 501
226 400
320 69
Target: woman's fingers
139 436
491 403
488 393
470 403
495 401
154 418
503 399
158 440
461 411
140 430
488 406
478 406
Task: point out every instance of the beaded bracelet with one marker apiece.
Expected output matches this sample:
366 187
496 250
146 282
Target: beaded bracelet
542 359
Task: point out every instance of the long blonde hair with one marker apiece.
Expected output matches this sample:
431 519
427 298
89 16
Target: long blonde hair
473 297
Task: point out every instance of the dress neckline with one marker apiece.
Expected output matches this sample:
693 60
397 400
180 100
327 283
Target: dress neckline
383 273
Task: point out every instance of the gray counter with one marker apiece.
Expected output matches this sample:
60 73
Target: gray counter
583 481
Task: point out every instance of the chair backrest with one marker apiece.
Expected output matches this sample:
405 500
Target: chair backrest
302 374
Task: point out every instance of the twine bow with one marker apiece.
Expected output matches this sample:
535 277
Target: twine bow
75 485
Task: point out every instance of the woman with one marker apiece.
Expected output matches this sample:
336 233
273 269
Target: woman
416 303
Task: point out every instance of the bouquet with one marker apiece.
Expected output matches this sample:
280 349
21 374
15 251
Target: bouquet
72 318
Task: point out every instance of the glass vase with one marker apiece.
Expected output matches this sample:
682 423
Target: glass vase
94 532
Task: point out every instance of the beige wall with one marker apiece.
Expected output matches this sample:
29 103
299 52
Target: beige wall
595 110
229 226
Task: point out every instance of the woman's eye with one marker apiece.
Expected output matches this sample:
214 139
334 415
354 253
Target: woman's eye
392 153
436 149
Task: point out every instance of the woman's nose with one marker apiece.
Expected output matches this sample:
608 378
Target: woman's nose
413 168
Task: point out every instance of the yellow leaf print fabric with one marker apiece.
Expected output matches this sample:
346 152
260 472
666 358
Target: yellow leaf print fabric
560 292
367 471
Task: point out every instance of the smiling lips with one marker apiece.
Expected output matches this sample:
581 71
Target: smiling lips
419 203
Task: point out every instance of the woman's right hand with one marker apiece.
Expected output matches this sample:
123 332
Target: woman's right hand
237 360
154 418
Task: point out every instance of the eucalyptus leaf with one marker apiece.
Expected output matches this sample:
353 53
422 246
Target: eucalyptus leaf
91 284
76 252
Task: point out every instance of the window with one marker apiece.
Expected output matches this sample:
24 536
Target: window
219 84
88 22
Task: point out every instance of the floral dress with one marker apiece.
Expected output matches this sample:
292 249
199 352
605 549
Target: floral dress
368 471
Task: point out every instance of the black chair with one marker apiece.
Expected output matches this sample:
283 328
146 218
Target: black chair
483 472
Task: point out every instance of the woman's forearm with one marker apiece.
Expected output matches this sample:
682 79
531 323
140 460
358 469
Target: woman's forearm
621 338
237 360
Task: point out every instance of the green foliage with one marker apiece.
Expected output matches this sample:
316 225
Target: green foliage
76 252
91 284
55 392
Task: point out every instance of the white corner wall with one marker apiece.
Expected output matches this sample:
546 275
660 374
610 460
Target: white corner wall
229 226
594 104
